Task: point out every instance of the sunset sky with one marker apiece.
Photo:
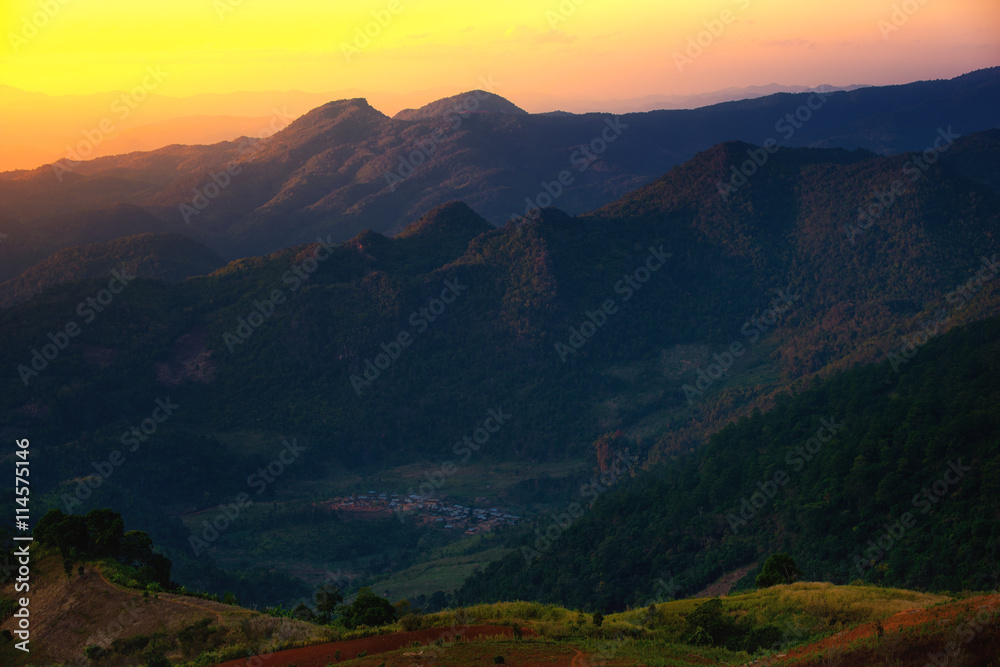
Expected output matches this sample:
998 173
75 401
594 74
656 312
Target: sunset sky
76 58
572 48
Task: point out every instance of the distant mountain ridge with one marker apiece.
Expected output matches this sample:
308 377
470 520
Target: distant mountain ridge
220 117
345 167
475 101
169 257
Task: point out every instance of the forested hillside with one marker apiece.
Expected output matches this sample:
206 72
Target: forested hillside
385 352
888 474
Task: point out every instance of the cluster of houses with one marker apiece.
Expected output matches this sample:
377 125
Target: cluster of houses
426 510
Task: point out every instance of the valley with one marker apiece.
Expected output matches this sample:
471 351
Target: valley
466 384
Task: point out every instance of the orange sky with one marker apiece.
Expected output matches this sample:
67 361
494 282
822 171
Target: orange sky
541 54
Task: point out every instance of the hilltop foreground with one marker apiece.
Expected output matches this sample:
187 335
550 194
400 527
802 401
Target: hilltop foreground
797 624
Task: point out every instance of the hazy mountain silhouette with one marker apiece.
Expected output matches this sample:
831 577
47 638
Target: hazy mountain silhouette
345 167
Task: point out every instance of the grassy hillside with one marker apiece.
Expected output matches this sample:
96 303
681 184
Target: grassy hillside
70 613
812 623
87 610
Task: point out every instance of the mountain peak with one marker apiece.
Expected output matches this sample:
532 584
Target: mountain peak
338 107
474 101
454 218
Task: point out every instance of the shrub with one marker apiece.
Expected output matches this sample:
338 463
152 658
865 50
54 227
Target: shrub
130 645
409 623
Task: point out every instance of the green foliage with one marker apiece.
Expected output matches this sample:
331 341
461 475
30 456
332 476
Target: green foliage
369 610
528 285
99 535
410 622
154 655
699 636
328 597
130 645
302 612
720 626
900 430
778 569
93 652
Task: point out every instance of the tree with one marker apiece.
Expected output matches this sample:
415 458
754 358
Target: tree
106 529
438 601
598 619
778 569
67 532
651 615
328 596
369 609
136 548
711 618
302 612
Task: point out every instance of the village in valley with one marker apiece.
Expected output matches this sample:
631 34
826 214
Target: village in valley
425 510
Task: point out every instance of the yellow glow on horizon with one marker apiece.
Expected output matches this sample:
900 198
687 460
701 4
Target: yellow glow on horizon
599 49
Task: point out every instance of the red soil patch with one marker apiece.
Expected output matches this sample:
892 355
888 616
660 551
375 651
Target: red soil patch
322 654
905 619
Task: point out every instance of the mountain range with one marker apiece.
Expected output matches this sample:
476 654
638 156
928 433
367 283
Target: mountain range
36 129
639 328
345 167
